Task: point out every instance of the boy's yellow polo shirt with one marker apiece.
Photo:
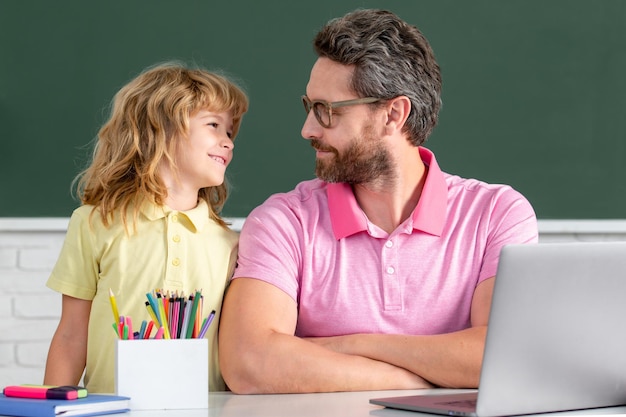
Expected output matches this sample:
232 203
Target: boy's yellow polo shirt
164 249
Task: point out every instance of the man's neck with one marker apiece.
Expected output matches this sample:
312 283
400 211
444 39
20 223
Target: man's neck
389 204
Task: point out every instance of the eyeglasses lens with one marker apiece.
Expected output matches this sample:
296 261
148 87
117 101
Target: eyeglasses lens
321 110
322 113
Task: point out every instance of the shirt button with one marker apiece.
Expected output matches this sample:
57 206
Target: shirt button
175 261
389 243
390 270
174 218
176 238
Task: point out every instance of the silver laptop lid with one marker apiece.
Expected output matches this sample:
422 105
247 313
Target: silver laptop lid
557 329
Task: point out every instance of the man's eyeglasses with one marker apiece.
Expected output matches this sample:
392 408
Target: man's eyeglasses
323 110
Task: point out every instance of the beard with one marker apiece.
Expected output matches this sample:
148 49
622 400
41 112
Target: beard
365 160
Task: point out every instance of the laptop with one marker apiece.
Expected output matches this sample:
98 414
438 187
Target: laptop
556 339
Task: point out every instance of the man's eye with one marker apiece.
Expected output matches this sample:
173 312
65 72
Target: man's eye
215 125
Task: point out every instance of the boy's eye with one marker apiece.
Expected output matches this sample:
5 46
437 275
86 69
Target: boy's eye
216 125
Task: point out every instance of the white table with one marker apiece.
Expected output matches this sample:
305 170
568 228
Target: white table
342 404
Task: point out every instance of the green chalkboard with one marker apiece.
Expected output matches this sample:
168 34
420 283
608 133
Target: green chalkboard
534 91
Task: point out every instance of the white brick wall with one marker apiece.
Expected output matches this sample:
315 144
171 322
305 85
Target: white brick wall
29 311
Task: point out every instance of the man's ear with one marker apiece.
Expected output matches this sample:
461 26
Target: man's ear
398 110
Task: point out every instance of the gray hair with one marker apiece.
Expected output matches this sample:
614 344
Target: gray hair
391 59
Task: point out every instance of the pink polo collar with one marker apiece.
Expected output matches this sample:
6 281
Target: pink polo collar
429 215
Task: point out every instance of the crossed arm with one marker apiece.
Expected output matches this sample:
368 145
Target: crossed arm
260 354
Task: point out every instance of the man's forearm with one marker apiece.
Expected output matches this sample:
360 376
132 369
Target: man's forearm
446 360
287 364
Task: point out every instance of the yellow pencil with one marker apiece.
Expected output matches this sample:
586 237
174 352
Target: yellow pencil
152 314
116 314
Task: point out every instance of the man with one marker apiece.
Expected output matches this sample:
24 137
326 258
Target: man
378 274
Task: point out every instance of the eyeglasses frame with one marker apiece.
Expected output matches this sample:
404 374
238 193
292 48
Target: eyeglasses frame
310 105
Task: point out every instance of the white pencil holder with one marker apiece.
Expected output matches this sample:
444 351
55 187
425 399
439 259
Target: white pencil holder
163 373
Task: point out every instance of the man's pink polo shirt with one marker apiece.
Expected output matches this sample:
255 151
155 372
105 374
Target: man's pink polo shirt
349 276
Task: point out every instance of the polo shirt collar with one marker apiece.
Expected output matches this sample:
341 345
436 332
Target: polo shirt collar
198 217
429 215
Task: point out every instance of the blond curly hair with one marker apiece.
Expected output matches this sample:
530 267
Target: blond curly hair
149 117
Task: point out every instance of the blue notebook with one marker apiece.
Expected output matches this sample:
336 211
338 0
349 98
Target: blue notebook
91 405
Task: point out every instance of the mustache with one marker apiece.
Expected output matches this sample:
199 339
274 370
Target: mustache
318 145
